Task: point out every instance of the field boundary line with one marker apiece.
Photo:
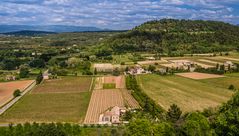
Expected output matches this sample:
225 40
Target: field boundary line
13 101
91 85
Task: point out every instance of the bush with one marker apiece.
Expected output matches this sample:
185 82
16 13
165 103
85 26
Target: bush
39 78
174 113
24 72
122 63
16 93
116 72
231 87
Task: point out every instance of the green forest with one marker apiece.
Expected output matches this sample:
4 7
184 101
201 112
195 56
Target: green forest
176 37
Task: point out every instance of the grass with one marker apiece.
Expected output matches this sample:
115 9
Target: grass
109 86
225 82
63 104
117 59
65 84
70 107
188 94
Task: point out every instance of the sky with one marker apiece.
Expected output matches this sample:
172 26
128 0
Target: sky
113 14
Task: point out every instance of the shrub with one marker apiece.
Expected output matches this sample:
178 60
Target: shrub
16 93
231 87
39 78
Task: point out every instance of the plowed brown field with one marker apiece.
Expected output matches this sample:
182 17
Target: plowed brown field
103 99
100 101
7 89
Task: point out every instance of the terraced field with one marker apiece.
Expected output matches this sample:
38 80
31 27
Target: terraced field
188 94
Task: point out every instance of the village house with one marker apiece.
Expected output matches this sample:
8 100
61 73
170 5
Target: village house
46 75
10 78
228 65
137 70
150 58
111 116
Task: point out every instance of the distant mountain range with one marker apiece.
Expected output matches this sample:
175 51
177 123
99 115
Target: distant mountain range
48 28
28 33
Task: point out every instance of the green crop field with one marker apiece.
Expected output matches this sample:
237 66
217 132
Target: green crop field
188 94
109 86
65 85
57 106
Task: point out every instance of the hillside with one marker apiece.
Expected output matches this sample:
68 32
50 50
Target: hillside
175 37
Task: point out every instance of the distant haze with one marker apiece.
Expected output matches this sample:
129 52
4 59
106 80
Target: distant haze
47 28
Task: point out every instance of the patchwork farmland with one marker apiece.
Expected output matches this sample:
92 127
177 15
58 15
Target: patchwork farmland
103 99
7 89
61 100
188 94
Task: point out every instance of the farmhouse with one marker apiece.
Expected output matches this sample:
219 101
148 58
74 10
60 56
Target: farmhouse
137 70
10 78
111 116
228 65
150 58
46 75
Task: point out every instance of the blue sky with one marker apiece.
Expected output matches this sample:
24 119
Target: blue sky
114 14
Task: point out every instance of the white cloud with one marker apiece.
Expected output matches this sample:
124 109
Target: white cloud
117 14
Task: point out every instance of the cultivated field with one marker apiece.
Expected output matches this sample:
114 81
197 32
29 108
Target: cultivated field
129 99
196 75
63 104
65 85
103 99
225 82
188 94
119 81
7 89
100 101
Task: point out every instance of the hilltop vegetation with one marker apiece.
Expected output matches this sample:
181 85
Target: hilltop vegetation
177 37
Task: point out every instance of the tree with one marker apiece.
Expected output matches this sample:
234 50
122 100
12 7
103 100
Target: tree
63 64
217 66
37 63
16 93
151 68
116 72
174 113
227 122
24 72
231 87
196 125
163 129
95 71
39 78
139 127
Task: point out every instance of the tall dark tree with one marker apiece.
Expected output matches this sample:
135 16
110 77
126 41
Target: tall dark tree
174 113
